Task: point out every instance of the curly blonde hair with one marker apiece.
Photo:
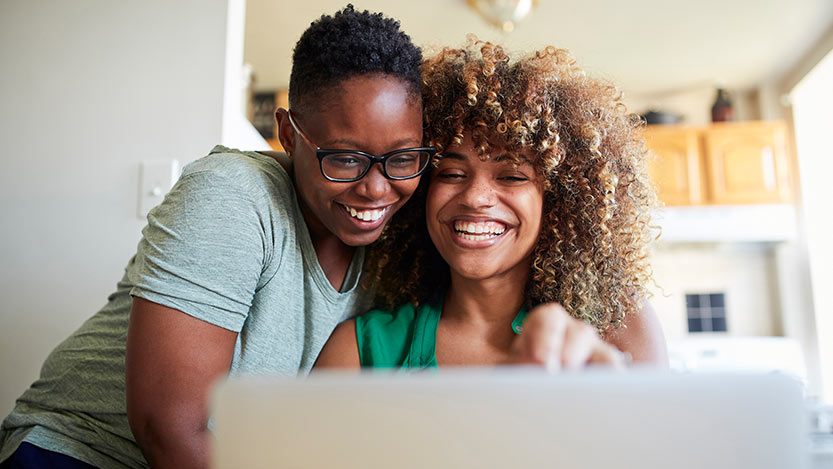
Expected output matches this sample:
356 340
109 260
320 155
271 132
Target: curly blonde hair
591 256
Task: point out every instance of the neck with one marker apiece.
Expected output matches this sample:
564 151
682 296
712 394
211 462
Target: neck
334 256
486 301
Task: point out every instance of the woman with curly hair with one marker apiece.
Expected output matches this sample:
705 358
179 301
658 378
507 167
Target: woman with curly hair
527 242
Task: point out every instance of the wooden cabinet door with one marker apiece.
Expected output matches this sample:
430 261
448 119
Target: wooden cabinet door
746 163
675 164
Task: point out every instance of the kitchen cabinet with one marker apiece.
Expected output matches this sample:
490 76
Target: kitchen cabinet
720 164
675 166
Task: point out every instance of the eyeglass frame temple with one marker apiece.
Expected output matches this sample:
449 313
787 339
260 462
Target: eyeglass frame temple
299 131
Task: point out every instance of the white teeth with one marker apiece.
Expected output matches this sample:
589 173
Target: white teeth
478 237
365 215
479 231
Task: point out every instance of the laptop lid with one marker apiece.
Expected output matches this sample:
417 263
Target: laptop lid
511 418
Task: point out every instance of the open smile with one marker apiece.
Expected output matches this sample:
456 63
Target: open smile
478 230
364 214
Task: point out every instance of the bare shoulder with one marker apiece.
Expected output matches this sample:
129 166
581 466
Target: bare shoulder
341 349
642 338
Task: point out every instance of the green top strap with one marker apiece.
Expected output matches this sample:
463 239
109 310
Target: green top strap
405 338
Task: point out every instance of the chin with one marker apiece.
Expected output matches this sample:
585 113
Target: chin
363 239
474 272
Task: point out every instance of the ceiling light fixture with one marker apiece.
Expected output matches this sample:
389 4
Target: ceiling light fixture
503 14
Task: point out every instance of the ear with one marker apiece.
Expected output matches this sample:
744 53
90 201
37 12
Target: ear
286 134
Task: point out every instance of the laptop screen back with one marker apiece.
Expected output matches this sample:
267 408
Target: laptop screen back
511 418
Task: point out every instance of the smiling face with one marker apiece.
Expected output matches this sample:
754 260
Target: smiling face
375 114
484 217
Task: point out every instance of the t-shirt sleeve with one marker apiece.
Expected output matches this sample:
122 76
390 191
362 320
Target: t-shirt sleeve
204 249
384 337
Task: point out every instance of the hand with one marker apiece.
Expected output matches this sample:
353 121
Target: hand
555 340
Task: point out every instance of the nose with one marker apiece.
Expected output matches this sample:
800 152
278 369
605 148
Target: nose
479 193
374 185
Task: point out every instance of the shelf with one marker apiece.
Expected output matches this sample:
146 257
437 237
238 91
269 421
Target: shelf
719 223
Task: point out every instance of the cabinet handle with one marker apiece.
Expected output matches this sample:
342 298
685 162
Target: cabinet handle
768 164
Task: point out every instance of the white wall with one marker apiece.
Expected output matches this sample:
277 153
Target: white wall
805 303
693 104
745 272
89 89
813 99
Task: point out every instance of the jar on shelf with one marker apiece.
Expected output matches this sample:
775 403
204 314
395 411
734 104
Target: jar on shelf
722 108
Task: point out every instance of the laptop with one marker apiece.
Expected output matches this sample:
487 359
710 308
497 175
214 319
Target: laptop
508 418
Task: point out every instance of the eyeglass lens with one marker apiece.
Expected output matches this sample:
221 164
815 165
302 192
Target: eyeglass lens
347 166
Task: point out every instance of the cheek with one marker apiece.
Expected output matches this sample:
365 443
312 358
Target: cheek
434 200
323 192
534 211
405 188
307 164
433 203
308 176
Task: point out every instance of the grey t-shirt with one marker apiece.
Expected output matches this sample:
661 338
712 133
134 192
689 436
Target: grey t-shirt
228 246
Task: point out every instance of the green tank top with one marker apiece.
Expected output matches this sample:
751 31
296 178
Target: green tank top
405 338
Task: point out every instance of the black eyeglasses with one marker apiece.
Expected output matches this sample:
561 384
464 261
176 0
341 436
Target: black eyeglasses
352 165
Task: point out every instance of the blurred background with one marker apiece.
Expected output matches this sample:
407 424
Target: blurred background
103 102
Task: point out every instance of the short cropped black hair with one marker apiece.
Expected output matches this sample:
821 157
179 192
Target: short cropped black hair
350 44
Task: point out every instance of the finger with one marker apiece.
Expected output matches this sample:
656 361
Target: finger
606 354
542 337
550 326
579 343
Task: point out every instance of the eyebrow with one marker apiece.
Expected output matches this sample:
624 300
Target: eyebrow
497 159
454 156
405 142
522 158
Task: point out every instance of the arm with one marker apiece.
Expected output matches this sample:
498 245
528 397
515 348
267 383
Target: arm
198 267
172 361
642 338
342 348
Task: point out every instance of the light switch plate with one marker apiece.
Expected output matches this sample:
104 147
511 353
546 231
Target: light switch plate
155 180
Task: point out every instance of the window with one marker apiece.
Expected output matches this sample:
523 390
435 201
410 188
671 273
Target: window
706 312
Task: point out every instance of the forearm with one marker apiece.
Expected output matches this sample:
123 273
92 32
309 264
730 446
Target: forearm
174 446
341 350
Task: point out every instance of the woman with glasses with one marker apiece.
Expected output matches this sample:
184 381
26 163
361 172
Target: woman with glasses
531 247
246 267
